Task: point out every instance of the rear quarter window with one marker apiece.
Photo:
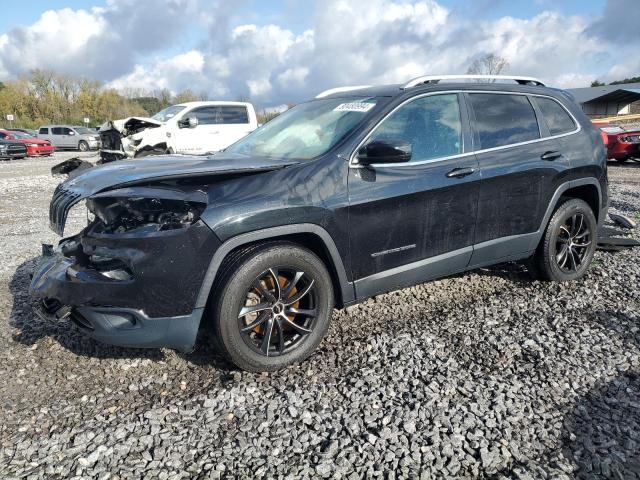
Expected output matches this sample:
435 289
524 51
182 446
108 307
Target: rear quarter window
43 131
502 119
555 116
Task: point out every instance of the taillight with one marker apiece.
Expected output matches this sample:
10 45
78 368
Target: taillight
605 138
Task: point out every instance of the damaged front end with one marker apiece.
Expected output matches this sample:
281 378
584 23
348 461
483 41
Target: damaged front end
124 138
132 275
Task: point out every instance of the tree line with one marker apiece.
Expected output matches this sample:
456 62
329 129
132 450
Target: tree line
45 97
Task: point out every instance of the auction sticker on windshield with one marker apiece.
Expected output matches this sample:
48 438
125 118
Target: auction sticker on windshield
354 107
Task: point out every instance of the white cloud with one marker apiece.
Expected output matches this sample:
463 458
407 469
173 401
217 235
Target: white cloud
102 42
388 41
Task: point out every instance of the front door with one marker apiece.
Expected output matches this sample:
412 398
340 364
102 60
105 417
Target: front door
414 221
218 127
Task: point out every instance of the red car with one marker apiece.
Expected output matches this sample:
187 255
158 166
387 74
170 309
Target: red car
621 144
35 146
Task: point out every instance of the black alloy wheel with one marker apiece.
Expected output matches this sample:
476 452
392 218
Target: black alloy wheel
279 311
569 243
272 305
572 243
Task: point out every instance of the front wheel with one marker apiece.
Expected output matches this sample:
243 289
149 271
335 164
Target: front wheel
569 243
273 307
83 146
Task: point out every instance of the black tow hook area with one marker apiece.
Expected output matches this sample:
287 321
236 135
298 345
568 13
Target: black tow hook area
52 309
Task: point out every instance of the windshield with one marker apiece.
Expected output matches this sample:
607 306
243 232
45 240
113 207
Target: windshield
307 130
84 131
168 113
20 134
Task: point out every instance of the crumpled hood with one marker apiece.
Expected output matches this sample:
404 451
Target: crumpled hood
130 124
132 172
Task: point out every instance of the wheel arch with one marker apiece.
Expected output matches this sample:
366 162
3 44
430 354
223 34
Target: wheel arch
311 236
587 189
587 192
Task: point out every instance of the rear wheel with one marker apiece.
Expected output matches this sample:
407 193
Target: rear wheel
569 243
83 146
273 307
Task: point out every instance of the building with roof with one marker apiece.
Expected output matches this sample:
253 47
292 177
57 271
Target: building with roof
608 100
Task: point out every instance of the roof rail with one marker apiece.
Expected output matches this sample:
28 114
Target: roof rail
436 79
331 91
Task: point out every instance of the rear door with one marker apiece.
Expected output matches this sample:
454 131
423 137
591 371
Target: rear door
413 221
521 168
234 123
59 138
43 133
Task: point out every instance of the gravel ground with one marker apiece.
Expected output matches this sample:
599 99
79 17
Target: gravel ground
482 375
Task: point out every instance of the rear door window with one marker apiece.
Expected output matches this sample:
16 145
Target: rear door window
557 118
57 131
221 115
502 119
233 115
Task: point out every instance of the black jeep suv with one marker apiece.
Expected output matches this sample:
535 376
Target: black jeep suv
359 191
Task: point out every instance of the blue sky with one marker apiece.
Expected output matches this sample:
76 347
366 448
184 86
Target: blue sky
285 50
274 10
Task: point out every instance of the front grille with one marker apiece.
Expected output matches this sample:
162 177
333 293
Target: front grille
61 203
16 149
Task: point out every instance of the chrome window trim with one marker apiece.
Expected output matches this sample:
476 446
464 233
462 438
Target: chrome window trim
353 164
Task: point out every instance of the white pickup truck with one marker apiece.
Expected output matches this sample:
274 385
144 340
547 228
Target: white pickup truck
191 127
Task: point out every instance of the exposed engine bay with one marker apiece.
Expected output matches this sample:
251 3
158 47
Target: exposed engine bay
120 138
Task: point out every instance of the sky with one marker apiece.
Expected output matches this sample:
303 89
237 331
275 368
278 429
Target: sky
275 52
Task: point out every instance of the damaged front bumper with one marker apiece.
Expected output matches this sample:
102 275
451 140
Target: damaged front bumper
151 304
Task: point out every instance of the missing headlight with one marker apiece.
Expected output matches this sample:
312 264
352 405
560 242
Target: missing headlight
133 214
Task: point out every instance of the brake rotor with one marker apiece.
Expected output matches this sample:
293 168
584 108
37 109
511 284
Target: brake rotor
268 283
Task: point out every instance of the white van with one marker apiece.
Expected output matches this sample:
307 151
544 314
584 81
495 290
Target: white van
190 128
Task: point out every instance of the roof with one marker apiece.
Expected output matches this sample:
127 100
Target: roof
626 92
398 89
214 103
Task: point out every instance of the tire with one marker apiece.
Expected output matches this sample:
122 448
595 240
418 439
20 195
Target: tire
83 146
248 285
549 263
622 160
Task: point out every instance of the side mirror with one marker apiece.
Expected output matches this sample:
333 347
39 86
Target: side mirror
384 151
72 132
190 122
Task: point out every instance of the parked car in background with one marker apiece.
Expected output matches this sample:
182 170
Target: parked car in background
67 136
29 131
192 127
35 146
10 149
622 144
357 192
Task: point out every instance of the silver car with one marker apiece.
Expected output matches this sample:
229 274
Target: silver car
67 136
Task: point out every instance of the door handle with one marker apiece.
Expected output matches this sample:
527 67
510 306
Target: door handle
551 155
460 172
